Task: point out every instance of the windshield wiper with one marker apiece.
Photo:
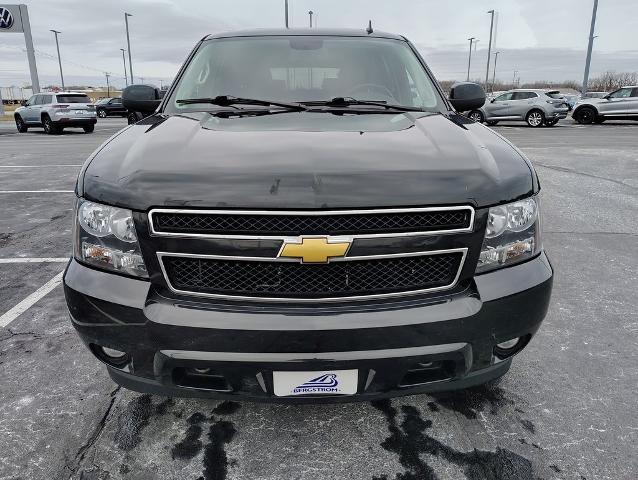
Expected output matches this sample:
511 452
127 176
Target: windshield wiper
229 101
340 102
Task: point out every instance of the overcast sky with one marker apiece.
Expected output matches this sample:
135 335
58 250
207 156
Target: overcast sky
542 39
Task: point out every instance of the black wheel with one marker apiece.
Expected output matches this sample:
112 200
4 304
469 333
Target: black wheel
49 127
477 116
585 115
598 120
491 123
101 113
551 123
535 118
132 118
89 128
20 125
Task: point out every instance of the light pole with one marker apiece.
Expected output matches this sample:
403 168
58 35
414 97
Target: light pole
57 46
108 85
489 50
592 27
128 42
469 58
310 13
286 12
514 79
494 75
124 61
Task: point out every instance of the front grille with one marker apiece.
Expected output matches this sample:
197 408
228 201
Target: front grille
378 222
312 281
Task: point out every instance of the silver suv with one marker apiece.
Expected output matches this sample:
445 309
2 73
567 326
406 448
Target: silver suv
535 106
619 105
55 112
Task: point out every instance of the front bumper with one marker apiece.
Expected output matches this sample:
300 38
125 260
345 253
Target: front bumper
401 347
559 113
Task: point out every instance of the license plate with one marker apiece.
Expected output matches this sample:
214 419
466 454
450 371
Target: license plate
328 382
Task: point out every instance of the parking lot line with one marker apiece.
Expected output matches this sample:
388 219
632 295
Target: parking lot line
28 302
36 191
39 166
35 260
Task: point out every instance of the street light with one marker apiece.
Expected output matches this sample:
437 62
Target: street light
489 50
124 61
57 46
286 12
310 13
469 58
128 42
494 75
590 45
108 85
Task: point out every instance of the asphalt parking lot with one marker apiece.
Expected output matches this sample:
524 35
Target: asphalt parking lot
566 410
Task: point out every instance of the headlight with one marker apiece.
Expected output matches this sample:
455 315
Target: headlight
512 235
105 237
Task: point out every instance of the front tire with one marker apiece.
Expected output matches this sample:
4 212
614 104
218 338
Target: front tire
535 118
598 120
477 116
101 113
20 125
89 128
585 115
49 127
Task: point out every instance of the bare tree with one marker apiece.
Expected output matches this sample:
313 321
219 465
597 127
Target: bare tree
610 81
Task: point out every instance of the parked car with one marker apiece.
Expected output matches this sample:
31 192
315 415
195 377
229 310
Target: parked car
534 106
305 217
110 106
594 94
134 116
56 111
619 105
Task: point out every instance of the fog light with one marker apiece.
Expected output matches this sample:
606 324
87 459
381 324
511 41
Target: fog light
111 352
508 344
111 356
511 347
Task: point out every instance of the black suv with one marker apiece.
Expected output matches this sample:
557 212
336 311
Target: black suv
110 106
305 217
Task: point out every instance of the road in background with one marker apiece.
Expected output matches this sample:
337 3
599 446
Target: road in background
566 410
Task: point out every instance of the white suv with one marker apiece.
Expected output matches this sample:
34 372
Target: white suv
55 112
619 105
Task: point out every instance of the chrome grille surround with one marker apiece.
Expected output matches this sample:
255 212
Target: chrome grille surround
317 213
161 255
462 251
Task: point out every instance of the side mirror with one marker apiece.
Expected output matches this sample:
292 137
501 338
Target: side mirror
466 96
493 100
141 98
24 103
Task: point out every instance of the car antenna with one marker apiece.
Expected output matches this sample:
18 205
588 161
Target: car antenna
369 29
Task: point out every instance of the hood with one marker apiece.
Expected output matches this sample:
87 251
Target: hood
306 160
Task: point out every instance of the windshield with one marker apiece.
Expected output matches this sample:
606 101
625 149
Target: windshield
306 69
73 99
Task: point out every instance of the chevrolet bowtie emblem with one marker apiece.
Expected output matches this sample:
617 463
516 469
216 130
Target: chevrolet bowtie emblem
314 250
